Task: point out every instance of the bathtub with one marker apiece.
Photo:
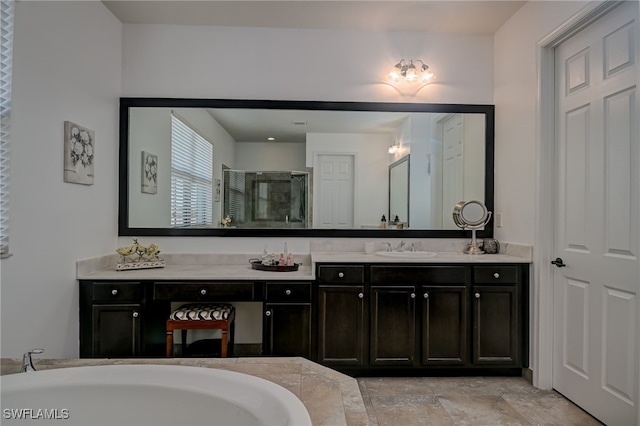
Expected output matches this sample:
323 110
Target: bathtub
146 395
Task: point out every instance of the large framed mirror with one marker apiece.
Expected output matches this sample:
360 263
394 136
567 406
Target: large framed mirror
256 168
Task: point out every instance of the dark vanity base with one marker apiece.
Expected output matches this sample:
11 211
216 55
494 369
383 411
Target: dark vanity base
431 372
360 319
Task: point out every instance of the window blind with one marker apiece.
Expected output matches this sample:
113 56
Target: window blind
191 176
6 53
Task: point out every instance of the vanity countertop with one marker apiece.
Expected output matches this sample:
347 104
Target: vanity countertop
235 267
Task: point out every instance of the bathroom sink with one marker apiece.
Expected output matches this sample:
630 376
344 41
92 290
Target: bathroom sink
407 254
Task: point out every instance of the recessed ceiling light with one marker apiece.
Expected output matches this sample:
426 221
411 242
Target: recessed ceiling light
271 138
300 123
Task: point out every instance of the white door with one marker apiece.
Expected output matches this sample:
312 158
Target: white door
452 168
597 237
333 206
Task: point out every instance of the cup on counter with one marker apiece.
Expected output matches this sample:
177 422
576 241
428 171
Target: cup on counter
370 247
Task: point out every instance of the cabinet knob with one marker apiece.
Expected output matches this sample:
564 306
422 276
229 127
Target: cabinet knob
135 314
426 295
413 295
114 291
361 295
203 291
496 275
268 313
341 274
477 295
287 292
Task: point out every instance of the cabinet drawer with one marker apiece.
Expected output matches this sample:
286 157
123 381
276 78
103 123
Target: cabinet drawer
385 274
352 274
117 291
288 292
495 274
223 291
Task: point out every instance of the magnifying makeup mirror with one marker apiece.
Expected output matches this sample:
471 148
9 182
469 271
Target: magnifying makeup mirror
471 215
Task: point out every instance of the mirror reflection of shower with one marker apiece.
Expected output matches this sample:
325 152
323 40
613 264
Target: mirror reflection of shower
266 199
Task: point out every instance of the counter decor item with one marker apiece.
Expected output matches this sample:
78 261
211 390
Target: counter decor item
471 215
283 262
491 246
139 257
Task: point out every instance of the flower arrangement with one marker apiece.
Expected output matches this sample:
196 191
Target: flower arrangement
81 146
226 221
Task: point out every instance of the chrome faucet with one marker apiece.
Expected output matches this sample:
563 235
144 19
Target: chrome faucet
401 246
388 245
27 363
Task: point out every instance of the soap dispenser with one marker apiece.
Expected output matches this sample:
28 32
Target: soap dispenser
383 222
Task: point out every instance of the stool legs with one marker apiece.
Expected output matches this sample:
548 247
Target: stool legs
169 343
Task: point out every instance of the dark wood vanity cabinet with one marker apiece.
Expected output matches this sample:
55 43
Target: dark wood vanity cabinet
111 319
341 321
497 315
393 325
287 329
356 318
377 317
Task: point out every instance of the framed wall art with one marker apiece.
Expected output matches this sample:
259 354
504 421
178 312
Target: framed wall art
79 154
149 173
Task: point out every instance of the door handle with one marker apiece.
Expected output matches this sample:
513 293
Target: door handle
558 262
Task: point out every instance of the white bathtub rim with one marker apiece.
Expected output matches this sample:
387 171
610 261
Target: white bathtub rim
207 381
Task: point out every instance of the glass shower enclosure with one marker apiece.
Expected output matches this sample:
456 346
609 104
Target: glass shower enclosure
266 199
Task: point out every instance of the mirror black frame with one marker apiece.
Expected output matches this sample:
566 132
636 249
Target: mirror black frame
123 184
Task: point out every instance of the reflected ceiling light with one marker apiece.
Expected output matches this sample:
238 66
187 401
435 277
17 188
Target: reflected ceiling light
408 71
271 138
394 148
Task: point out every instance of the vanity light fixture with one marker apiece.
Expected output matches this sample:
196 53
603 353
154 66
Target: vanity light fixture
394 148
410 73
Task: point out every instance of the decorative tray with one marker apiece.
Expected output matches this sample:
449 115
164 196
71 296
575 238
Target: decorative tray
129 266
257 264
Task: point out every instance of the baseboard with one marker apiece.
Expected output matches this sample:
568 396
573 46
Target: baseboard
527 374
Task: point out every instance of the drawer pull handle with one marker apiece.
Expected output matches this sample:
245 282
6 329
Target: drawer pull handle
496 275
426 295
413 295
268 313
341 274
114 291
203 291
477 295
135 314
360 295
287 292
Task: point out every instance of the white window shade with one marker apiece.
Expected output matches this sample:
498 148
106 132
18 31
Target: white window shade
6 53
191 177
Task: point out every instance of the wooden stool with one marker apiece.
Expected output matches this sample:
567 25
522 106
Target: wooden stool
201 316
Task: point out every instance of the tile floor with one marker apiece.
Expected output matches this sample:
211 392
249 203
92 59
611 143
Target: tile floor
476 401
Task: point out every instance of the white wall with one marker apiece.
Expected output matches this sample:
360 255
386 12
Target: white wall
516 94
275 156
66 66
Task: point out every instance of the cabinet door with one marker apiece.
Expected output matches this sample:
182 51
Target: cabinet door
495 319
393 325
115 330
341 325
287 329
444 325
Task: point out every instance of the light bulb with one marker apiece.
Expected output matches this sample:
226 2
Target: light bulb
412 72
427 74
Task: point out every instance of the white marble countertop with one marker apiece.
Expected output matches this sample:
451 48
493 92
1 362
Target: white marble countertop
237 267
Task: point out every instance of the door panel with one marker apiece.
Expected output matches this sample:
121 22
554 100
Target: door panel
597 218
